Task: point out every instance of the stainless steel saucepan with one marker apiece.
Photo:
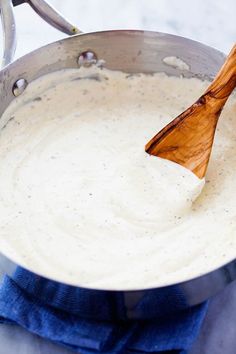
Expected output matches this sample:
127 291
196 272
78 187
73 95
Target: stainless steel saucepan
132 52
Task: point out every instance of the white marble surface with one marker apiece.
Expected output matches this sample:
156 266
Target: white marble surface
209 21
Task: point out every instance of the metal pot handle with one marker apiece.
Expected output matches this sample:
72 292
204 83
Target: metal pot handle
43 9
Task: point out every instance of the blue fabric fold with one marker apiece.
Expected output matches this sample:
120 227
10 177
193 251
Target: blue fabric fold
102 305
173 333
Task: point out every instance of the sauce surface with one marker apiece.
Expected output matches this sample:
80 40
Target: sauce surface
80 200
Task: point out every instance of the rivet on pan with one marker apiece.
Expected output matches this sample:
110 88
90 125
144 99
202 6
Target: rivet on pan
87 59
19 87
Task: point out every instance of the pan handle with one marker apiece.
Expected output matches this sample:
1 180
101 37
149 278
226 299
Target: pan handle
9 31
43 9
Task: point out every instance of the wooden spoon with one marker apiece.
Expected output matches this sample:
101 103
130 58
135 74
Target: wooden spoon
188 139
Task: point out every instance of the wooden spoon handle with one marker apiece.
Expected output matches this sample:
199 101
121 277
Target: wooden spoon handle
224 82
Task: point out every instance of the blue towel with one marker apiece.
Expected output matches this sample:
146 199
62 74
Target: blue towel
51 317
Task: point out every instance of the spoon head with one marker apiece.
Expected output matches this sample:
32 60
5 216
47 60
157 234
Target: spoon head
188 139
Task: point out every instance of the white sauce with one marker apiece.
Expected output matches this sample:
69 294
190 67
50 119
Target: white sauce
80 200
176 62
